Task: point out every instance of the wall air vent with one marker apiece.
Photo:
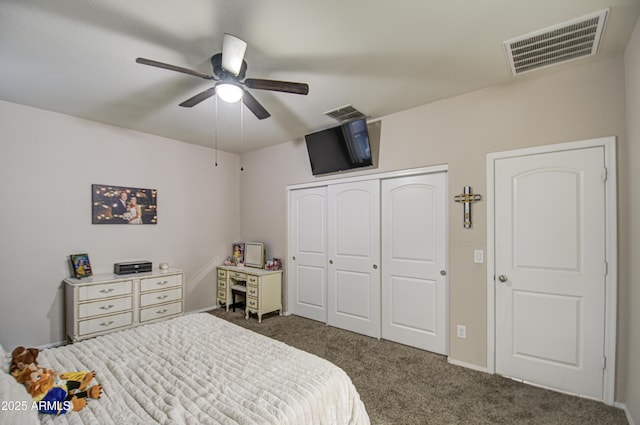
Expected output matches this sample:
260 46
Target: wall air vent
560 43
345 113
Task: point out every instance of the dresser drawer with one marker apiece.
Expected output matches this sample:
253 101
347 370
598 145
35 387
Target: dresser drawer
104 290
98 308
160 297
161 311
238 275
252 280
222 284
253 303
222 274
252 291
107 323
222 294
161 282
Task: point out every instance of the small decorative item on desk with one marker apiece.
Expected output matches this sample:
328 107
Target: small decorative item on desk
80 265
238 253
275 264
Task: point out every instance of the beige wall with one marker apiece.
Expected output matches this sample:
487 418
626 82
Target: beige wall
543 108
629 335
48 162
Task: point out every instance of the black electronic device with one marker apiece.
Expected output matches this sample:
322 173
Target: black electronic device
339 148
132 267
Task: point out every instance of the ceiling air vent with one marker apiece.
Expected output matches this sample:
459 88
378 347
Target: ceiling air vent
560 43
345 113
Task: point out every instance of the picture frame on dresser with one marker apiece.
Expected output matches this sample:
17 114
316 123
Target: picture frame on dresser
80 265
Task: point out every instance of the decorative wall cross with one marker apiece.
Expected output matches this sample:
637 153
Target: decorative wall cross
467 198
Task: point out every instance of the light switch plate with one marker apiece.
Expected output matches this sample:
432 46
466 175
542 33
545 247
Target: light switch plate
478 256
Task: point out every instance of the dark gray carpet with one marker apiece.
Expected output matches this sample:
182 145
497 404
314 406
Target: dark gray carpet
401 385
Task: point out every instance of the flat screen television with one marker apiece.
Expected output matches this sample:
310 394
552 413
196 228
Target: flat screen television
339 148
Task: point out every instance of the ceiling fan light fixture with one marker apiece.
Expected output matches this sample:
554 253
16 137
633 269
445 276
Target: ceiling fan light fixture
229 92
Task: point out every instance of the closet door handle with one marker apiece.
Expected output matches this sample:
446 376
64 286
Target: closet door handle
375 267
330 261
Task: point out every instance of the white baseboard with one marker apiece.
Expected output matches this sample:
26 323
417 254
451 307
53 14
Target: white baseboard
467 365
201 310
626 412
51 345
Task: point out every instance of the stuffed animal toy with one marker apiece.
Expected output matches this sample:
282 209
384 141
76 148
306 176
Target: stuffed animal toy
52 392
58 393
22 357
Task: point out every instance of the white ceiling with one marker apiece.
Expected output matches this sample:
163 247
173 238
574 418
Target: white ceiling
77 57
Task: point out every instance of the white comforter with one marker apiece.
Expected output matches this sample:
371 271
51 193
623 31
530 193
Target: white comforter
199 369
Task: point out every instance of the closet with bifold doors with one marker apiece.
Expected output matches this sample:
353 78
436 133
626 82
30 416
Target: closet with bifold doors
369 255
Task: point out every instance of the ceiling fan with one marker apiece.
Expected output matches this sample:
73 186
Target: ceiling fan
229 69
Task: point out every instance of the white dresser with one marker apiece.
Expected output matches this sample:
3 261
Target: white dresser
264 289
104 303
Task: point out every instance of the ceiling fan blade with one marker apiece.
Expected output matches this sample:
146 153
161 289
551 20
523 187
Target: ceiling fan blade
233 50
175 68
199 98
273 85
254 106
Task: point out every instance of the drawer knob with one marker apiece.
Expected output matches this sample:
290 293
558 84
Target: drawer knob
109 323
163 311
162 297
107 307
106 290
164 282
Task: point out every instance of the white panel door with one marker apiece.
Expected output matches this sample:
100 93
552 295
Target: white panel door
307 275
354 256
550 269
414 253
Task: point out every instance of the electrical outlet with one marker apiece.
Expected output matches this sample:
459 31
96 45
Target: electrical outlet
462 331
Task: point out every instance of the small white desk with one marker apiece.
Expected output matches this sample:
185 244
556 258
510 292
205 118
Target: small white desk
264 289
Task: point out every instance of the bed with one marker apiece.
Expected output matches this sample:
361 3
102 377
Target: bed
199 369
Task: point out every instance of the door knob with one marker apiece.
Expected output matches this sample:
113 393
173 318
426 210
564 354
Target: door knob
375 267
330 261
443 272
502 278
294 258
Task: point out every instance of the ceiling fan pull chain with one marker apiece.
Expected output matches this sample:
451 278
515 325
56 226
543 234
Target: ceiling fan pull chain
241 131
216 132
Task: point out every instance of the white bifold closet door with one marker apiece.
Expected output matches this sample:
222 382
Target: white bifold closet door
414 257
308 253
353 278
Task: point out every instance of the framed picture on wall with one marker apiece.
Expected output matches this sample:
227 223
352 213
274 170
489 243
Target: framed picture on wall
80 265
123 205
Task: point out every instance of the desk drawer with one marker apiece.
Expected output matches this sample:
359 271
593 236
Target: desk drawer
105 290
160 282
222 283
98 308
222 294
101 324
238 275
252 280
160 311
222 274
253 303
252 291
160 297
